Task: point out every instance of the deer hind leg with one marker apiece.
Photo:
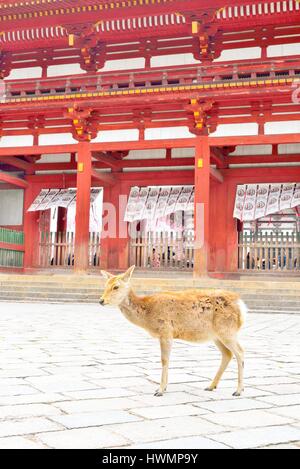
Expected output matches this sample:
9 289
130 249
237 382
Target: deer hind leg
226 358
165 347
233 345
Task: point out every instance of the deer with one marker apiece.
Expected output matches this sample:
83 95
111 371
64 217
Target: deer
191 315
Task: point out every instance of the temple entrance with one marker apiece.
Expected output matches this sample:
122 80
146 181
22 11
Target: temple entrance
57 228
162 228
271 244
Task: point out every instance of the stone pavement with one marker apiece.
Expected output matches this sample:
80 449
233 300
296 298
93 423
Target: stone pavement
80 376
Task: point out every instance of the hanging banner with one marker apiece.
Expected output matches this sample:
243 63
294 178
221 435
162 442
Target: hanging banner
171 204
46 204
296 198
239 202
286 196
150 206
190 206
37 202
131 205
274 199
95 193
66 196
250 203
183 198
162 202
96 210
141 204
59 197
261 201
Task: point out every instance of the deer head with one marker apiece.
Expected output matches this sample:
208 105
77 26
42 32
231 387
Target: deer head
117 287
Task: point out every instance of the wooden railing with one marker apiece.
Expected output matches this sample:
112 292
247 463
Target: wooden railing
57 249
166 251
11 248
172 76
272 252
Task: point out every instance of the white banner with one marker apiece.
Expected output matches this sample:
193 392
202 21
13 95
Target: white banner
67 197
171 204
250 203
132 203
141 204
34 207
296 198
190 207
162 202
239 202
150 206
274 199
184 198
261 201
286 196
46 204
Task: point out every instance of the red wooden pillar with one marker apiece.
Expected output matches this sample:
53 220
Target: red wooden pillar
218 227
114 247
202 206
31 229
82 222
232 233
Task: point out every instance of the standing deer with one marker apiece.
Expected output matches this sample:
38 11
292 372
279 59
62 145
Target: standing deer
194 316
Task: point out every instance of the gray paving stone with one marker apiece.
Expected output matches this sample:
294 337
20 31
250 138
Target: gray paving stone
164 411
259 437
195 442
18 442
292 411
156 430
85 438
94 405
27 426
248 419
17 390
281 401
233 405
39 398
95 419
29 410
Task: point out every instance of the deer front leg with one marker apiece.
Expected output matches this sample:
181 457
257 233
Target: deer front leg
165 347
226 358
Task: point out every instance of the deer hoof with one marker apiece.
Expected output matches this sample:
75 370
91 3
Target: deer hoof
158 394
237 394
211 389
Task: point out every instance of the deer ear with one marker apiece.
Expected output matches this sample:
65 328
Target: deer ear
106 275
128 274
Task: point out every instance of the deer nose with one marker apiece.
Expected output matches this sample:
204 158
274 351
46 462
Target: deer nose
101 302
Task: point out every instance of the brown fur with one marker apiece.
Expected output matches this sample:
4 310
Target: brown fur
193 315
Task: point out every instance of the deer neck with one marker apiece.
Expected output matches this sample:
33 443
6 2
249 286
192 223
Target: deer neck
132 309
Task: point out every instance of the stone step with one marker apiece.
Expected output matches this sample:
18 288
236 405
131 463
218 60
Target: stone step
263 294
36 286
3 299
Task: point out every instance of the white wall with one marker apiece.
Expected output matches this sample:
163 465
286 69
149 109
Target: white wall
11 207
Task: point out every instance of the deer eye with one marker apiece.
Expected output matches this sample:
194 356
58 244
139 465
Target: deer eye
116 287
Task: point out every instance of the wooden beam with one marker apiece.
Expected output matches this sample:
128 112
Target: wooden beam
15 181
216 175
263 159
105 178
217 157
107 159
153 144
12 247
17 163
109 146
254 140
